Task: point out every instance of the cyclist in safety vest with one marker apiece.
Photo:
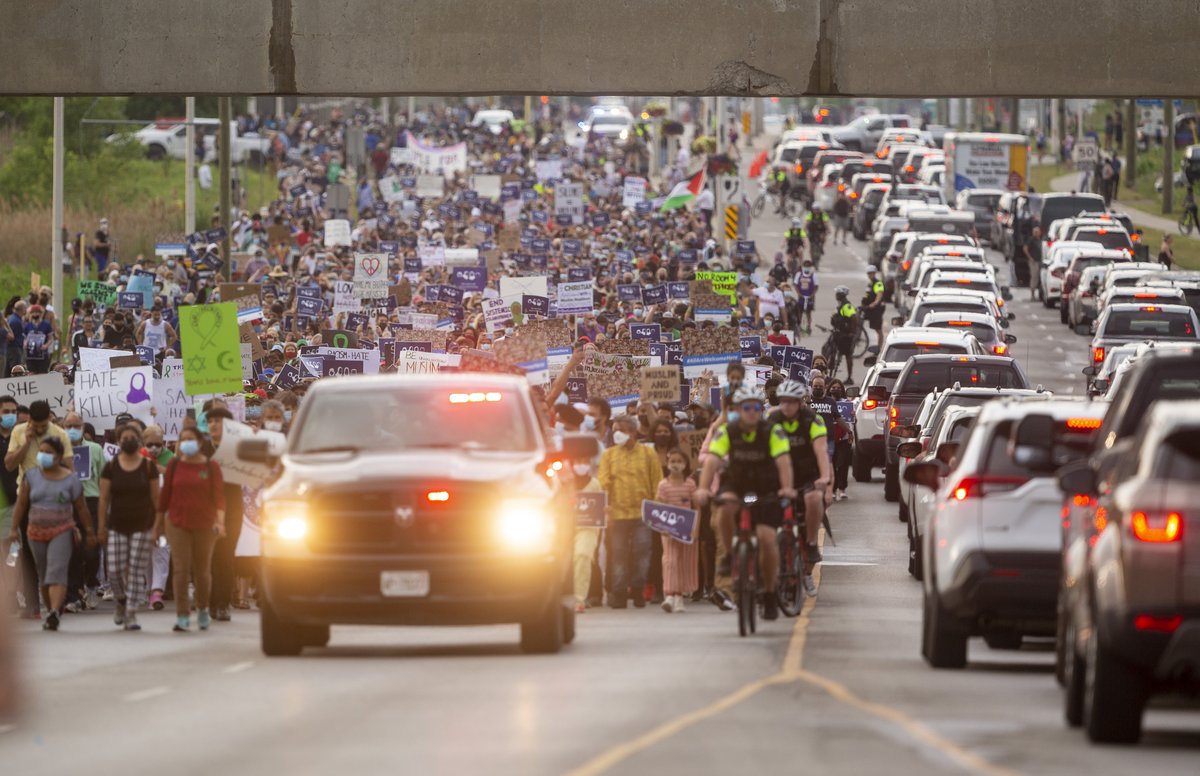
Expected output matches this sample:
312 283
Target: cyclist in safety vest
795 237
845 327
782 187
872 305
758 461
808 437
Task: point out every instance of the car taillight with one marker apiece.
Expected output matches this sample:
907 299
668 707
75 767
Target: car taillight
1097 355
1000 350
906 265
1157 624
1049 243
978 487
1156 529
1145 296
854 195
1083 424
437 496
799 169
870 404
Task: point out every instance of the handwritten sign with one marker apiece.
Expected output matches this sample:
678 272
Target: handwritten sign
48 387
103 395
170 404
337 232
668 520
660 384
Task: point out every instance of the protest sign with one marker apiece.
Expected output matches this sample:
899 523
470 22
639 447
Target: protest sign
633 192
751 347
416 362
337 232
370 275
709 350
691 443
129 300
612 376
723 283
312 308
93 359
568 201
655 294
660 384
512 289
98 291
430 186
548 169
211 348
391 189
651 332
472 279
336 368
445 160
487 186
669 520
496 315
431 254
48 387
535 306
101 396
845 410
237 471
369 358
142 282
512 214
591 509
170 404
82 455
575 298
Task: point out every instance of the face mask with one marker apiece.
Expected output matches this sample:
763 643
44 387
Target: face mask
818 393
75 434
582 469
589 423
273 425
807 270
8 421
768 322
486 346
45 460
620 437
731 416
171 264
287 416
189 447
129 446
638 312
676 468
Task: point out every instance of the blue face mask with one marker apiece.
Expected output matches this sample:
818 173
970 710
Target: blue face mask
589 423
8 421
287 415
45 460
75 434
189 447
731 416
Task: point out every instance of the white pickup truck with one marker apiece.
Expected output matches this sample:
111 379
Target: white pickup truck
169 138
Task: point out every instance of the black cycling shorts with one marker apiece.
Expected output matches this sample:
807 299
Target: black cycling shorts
875 318
766 511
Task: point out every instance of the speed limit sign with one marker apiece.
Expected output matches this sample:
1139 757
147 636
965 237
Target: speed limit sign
1085 154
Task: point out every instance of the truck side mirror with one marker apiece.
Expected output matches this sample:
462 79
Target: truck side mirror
926 474
1077 477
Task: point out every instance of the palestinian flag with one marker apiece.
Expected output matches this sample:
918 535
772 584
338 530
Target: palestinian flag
684 192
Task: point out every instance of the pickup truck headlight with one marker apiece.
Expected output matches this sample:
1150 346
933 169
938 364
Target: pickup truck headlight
286 520
524 526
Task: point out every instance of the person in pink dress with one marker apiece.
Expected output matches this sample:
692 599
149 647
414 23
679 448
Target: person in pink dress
679 560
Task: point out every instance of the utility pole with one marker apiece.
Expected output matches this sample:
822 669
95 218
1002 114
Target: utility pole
279 112
528 110
56 273
1130 168
1014 115
1168 169
226 182
189 172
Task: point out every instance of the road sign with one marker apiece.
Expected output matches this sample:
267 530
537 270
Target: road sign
1085 154
731 222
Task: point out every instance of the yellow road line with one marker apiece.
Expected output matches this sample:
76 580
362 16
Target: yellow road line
792 671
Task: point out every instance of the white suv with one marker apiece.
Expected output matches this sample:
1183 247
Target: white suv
870 419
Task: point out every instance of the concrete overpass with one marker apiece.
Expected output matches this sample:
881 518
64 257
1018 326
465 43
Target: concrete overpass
734 47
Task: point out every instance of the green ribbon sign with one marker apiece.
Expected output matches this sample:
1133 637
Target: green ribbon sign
212 356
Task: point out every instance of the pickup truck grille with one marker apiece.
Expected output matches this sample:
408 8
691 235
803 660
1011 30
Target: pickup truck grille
397 520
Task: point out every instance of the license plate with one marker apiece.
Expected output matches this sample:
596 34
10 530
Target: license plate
404 584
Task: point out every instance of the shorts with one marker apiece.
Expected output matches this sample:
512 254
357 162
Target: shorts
844 344
807 304
841 223
766 512
875 318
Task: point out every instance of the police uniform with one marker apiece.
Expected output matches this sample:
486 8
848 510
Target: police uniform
874 315
802 432
843 325
750 457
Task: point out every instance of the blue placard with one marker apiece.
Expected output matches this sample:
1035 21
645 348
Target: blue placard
308 292
529 195
571 247
674 353
539 246
510 191
687 256
408 182
450 294
412 265
215 235
535 305
539 216
468 278
563 219
625 256
845 409
312 366
591 509
577 390
678 290
787 355
145 354
642 208
390 247
655 294
297 191
677 522
601 219
355 320
421 347
629 292
798 372
130 300
288 377
83 461
751 346
744 248
579 273
308 307
336 367
645 331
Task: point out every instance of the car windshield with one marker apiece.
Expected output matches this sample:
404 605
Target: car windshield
414 418
983 332
1178 458
887 379
902 351
1067 444
1150 323
1109 238
923 378
947 307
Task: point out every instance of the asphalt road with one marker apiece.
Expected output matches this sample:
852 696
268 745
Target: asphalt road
840 690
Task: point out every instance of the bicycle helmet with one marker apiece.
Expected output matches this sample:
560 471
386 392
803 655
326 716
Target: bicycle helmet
797 223
792 389
749 393
841 291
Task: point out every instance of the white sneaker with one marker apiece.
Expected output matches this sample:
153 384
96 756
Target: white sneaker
810 586
92 598
668 604
679 606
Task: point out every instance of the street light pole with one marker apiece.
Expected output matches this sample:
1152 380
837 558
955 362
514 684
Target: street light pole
225 109
1168 173
189 173
56 273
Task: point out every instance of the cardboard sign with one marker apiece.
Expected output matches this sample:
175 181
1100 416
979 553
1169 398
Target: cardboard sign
591 509
668 520
211 348
660 384
103 395
48 387
170 405
692 443
233 469
370 275
337 232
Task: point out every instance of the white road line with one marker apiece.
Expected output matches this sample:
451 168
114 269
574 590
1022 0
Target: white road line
846 563
147 694
237 668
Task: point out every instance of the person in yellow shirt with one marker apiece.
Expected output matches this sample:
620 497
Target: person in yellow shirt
25 439
587 537
629 472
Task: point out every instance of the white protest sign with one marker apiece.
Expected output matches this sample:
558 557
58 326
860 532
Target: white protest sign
337 232
369 358
101 396
568 201
247 361
49 388
633 192
549 169
400 157
512 289
370 275
512 211
235 470
432 255
430 159
432 186
575 298
416 362
487 186
172 367
497 314
344 300
97 359
390 189
170 404
461 257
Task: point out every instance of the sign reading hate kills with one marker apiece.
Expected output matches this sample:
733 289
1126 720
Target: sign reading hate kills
103 395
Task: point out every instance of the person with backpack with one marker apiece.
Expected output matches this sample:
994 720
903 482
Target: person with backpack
191 514
128 495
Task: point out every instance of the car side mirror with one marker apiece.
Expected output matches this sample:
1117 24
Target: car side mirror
897 320
580 447
1077 477
910 449
878 393
946 452
254 451
906 286
1101 386
906 432
853 392
869 361
1010 339
1031 443
927 474
1091 370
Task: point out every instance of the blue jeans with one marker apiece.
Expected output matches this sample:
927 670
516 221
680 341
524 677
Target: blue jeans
630 548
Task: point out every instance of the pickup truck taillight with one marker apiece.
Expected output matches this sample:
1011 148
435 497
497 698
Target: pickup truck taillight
1157 624
1097 355
978 487
869 404
1156 528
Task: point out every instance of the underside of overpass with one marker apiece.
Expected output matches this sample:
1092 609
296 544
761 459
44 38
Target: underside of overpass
931 48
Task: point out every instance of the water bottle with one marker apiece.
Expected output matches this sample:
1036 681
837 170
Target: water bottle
14 554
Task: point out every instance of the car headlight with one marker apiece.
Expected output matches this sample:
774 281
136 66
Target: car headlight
624 134
525 526
286 520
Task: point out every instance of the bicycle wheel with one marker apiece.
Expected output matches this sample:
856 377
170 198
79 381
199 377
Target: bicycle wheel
861 342
743 590
790 590
759 203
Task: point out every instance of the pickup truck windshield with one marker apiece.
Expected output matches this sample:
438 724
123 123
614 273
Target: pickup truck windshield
415 418
1150 324
924 378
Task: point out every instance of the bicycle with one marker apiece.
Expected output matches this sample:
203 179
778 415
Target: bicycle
817 248
770 197
1190 218
789 591
745 567
833 356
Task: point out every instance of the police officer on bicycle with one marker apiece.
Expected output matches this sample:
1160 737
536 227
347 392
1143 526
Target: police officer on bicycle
807 436
795 238
757 461
845 328
782 187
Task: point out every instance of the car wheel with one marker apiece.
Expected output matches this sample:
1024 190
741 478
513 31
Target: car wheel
1003 640
314 635
1074 669
945 639
155 152
1062 314
914 553
891 482
904 512
544 635
862 467
279 637
1114 696
568 629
